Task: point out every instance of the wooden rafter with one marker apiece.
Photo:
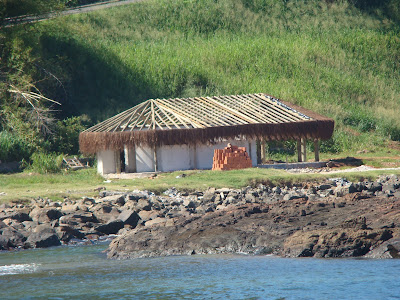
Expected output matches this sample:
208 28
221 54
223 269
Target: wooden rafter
201 112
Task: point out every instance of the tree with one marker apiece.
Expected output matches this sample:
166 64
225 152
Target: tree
24 111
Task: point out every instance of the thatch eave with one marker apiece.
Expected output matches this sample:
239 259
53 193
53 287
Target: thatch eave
317 128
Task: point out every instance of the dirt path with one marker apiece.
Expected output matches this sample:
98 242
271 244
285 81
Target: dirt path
76 10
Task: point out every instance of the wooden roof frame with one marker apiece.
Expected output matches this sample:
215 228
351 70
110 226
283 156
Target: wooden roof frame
203 119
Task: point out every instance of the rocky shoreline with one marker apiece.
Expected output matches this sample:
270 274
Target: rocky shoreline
335 218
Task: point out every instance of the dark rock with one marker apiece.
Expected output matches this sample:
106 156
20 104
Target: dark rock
292 196
78 218
43 215
323 187
374 186
66 233
129 217
137 195
105 212
357 223
19 216
111 227
144 204
42 239
11 238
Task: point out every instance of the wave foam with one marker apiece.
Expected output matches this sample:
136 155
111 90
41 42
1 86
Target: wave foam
18 269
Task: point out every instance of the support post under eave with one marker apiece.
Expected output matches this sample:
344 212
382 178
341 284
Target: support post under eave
304 149
316 149
117 161
155 159
262 150
299 156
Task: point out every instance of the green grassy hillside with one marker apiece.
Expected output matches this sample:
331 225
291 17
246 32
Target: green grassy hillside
331 57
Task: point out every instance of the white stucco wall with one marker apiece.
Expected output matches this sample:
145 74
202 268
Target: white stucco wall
205 153
169 158
144 159
172 158
106 162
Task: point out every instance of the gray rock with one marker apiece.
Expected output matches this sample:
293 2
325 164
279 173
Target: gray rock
44 215
157 221
292 196
129 217
388 249
106 212
11 238
111 227
87 201
104 194
374 186
250 198
276 190
66 233
148 215
42 239
78 218
388 188
114 198
341 191
144 204
137 196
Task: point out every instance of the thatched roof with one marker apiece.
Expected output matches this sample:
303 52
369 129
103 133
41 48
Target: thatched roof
204 119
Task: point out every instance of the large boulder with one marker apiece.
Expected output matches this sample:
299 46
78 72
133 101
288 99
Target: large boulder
46 237
129 217
19 216
44 215
66 233
11 238
78 218
111 227
389 249
105 212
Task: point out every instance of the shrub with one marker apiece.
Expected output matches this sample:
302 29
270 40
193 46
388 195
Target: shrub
44 163
14 148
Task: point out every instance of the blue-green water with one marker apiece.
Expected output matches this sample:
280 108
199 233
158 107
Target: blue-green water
83 272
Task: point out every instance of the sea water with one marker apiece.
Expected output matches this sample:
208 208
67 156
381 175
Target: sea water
84 272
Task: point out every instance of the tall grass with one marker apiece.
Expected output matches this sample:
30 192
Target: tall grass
327 56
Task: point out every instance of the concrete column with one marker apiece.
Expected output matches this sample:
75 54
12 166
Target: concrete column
155 159
316 149
304 149
117 159
250 153
262 150
299 156
194 157
130 159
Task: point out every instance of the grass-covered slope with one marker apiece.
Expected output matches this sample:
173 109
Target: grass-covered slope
326 56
